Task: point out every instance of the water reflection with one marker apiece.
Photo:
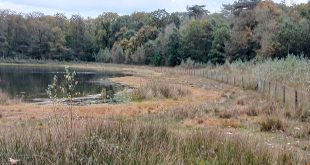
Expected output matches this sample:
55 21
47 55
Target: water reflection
29 83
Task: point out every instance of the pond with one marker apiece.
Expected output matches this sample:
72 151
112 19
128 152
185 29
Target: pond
29 83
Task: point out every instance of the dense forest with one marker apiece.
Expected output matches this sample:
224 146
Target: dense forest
244 30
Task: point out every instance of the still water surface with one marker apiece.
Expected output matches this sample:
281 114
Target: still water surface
29 83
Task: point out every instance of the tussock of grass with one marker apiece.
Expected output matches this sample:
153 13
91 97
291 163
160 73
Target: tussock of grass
303 114
227 114
272 124
158 90
252 111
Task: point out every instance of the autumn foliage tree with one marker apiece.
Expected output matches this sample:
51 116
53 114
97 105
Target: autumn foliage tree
244 30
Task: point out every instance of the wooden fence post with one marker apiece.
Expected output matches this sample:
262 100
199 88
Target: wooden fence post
296 99
250 82
284 90
276 90
234 81
269 86
264 86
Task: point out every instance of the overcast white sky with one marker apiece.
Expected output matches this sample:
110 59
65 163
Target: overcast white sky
93 8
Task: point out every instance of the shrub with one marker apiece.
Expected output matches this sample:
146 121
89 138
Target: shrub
67 88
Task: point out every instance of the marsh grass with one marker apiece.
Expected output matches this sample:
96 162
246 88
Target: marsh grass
111 142
158 90
293 71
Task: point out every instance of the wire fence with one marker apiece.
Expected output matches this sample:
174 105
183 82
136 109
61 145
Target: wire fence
292 98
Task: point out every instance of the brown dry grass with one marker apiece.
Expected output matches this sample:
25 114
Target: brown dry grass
205 107
133 81
213 122
158 90
26 111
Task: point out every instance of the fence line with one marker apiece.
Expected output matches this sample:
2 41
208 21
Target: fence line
289 97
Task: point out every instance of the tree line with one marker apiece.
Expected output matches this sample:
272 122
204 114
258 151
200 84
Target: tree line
244 30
